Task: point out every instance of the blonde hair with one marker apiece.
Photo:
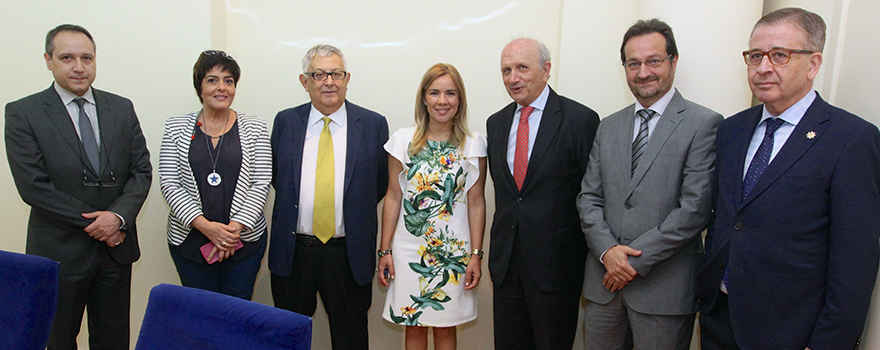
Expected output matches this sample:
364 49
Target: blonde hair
459 120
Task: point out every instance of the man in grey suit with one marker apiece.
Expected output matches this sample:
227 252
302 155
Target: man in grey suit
645 199
79 159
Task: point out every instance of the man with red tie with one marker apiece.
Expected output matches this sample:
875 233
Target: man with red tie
539 147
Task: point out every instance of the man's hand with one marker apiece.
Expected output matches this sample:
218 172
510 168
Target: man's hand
115 239
611 284
105 224
616 262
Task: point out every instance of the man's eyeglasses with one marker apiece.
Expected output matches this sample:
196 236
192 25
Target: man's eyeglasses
778 57
218 52
111 182
652 63
321 75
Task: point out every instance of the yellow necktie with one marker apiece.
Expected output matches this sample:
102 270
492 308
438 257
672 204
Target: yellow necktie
324 215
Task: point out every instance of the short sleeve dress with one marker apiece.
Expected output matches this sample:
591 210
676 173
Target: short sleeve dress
432 240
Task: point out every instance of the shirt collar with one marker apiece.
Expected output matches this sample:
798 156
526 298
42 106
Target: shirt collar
338 117
540 102
795 113
660 105
67 96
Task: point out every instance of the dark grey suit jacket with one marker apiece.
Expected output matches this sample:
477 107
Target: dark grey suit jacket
49 167
660 209
543 213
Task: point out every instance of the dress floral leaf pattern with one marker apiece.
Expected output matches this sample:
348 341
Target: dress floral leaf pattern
431 244
443 257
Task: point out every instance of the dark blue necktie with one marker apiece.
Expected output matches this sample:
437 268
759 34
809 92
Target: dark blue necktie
762 156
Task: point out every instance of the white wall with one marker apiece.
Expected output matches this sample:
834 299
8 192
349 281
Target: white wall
146 51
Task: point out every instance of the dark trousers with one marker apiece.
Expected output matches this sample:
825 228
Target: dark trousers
715 330
230 277
323 268
527 317
105 288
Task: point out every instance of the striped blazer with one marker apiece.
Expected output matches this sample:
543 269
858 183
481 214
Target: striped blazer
182 194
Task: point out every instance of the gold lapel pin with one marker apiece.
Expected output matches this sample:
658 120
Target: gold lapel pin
811 135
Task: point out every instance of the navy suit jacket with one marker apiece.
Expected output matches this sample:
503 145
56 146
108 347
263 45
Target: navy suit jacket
802 248
366 179
543 213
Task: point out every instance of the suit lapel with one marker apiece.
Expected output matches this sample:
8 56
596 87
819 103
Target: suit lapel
298 127
57 113
105 124
353 143
622 155
500 148
741 136
664 128
550 120
795 147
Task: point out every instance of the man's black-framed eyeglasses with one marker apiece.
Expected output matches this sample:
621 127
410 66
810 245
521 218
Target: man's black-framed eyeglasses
322 75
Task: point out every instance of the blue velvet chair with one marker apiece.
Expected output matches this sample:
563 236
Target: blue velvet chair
189 319
28 295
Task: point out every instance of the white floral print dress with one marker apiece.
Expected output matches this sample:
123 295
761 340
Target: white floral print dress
432 240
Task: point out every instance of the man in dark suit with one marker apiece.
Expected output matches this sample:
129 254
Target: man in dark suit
330 171
644 202
79 159
538 150
792 254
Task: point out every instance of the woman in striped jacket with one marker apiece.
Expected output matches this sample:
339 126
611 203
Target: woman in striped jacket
215 167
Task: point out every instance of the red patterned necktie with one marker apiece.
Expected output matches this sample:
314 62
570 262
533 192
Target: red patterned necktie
521 158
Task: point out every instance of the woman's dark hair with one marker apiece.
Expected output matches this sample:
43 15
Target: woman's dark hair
209 59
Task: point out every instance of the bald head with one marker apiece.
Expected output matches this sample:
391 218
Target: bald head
525 69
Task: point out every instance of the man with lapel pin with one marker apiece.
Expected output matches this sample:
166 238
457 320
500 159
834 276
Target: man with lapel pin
538 148
645 200
79 159
791 257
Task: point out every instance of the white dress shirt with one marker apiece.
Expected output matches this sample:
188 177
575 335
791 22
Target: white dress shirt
67 98
791 117
339 132
659 107
534 123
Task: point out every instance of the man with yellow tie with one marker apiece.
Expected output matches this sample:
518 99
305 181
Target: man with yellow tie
329 173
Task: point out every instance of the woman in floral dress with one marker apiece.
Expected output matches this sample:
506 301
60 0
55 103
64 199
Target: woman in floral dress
434 215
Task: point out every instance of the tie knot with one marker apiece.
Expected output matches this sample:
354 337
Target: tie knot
646 114
772 125
326 121
79 101
525 112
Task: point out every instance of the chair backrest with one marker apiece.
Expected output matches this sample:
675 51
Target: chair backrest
29 295
188 318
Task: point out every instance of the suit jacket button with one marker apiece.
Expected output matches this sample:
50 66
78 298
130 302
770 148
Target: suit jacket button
628 206
738 226
519 200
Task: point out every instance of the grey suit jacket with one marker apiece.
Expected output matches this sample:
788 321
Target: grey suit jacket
49 167
660 209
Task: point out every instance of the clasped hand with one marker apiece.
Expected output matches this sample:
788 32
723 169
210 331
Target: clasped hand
105 227
618 270
225 237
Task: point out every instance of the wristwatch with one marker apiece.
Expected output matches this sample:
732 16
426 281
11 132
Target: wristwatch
477 252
